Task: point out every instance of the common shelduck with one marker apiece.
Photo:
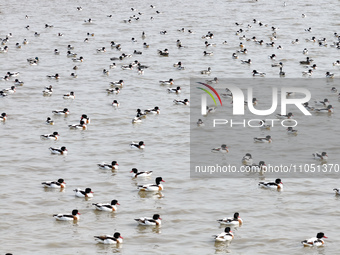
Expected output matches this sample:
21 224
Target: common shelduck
53 136
282 116
136 173
74 216
60 184
3 117
320 156
222 149
156 220
278 185
69 96
155 110
247 159
140 145
225 236
152 187
87 193
115 104
235 221
267 139
49 121
315 241
108 239
81 125
114 165
112 207
181 102
61 151
61 112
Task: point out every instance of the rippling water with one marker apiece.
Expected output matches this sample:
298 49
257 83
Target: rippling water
273 222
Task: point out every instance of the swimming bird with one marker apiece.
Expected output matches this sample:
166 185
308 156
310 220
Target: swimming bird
222 149
154 221
140 145
325 102
329 75
74 216
10 90
56 76
291 131
205 53
119 83
200 123
337 191
17 82
282 116
154 110
278 185
115 104
80 59
87 193
320 156
169 82
329 109
176 90
61 151
247 159
235 221
336 63
114 166
152 187
256 73
267 139
49 121
181 102
60 184
101 50
136 173
3 117
308 61
208 71
61 112
69 96
307 73
305 51
315 241
334 90
112 207
225 236
164 53
53 136
234 56
108 239
81 126
246 61
215 80
116 90
281 73
48 91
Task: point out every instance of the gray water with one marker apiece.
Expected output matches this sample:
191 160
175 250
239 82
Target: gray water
273 222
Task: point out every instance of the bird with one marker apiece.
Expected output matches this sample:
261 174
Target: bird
152 187
87 193
256 73
3 117
282 116
136 173
247 159
116 238
116 90
53 136
101 50
74 216
112 207
267 139
246 61
235 221
291 131
115 104
320 156
337 191
315 241
225 236
208 71
61 151
114 165
49 121
176 90
65 111
153 111
308 61
154 221
168 82
329 75
81 125
181 102
140 145
69 96
278 185
264 125
222 149
328 109
60 184
200 123
56 76
119 83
